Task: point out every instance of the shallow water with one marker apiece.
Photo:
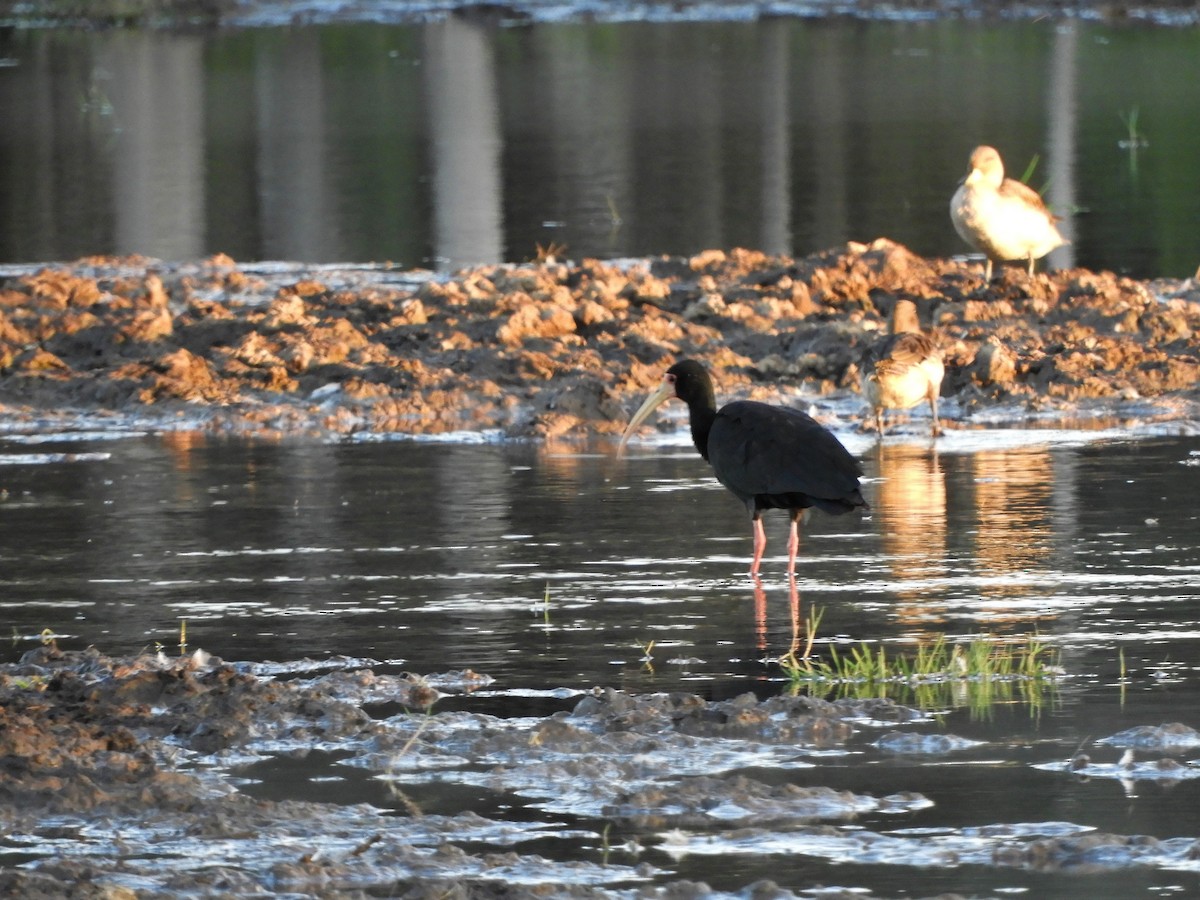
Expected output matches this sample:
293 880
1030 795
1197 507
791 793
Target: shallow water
454 143
550 568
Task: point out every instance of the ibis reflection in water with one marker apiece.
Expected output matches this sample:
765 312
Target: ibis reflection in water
769 457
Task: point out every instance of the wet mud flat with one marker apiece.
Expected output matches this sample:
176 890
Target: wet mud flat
565 349
129 777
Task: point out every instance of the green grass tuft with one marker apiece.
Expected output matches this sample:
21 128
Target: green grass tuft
977 672
1134 139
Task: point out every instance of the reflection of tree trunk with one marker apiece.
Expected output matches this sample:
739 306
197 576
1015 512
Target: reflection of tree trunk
157 93
830 152
593 145
29 199
292 172
1065 511
467 188
703 180
776 234
1061 115
471 536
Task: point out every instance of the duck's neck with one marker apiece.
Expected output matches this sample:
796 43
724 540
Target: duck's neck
904 318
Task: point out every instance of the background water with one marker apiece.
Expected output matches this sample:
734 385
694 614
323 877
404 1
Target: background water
549 568
454 143
445 554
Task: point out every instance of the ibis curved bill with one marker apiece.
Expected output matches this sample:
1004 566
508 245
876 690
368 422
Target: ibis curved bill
664 392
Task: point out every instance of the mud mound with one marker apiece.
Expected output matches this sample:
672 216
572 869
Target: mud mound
557 349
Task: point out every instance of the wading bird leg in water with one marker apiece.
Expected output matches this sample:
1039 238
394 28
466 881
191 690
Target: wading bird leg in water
793 545
760 545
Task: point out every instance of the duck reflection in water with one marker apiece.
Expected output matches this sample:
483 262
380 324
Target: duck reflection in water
1014 532
911 510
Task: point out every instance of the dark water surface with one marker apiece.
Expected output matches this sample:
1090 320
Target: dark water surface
457 142
549 568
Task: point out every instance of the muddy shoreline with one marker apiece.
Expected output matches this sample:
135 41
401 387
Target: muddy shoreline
556 349
148 746
188 14
127 778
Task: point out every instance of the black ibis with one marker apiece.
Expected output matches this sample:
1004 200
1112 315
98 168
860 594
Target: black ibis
903 369
1003 218
769 457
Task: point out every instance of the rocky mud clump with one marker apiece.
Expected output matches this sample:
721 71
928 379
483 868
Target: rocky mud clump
132 777
554 349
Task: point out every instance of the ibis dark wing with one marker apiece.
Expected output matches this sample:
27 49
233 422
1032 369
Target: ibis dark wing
763 451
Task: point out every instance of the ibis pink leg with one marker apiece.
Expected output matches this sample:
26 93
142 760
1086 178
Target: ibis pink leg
760 544
793 543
